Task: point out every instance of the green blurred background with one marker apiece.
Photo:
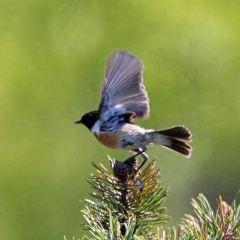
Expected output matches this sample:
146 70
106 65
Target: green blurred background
52 59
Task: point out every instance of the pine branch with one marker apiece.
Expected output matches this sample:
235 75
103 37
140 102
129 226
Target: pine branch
126 205
224 224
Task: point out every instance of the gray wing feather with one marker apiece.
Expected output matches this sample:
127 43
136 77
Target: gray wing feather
122 89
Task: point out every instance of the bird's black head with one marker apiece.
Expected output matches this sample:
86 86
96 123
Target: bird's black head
89 119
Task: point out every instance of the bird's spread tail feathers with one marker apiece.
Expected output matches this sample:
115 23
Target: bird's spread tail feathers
174 138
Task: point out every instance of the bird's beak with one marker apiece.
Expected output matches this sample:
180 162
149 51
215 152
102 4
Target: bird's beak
79 121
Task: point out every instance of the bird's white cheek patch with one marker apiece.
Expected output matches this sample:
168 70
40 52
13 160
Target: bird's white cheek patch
96 127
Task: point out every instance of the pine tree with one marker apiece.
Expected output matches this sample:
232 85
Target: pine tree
126 205
129 205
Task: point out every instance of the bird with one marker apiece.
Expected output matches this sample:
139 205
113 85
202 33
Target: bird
123 99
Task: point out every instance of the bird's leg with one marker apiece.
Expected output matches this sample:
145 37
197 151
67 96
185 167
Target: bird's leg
145 158
141 151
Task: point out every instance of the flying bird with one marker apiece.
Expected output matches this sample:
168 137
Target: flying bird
124 99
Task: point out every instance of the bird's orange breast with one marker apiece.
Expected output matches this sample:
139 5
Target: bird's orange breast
108 139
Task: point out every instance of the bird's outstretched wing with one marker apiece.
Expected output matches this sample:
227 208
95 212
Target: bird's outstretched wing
122 89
